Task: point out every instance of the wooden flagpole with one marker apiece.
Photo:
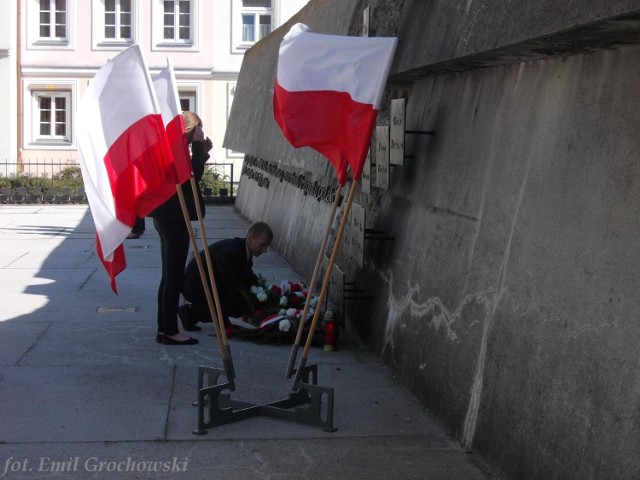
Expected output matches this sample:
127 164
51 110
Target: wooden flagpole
203 279
217 319
325 285
316 270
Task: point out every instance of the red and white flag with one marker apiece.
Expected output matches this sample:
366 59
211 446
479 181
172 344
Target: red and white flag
327 93
126 160
166 89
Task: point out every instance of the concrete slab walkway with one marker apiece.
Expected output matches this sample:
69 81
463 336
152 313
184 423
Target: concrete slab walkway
86 392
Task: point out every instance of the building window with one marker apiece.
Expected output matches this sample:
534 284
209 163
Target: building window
252 21
174 24
52 117
52 20
256 3
177 20
48 109
255 27
118 20
188 101
256 20
114 23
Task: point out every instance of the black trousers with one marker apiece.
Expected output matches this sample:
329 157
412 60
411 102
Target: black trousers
174 248
195 295
138 227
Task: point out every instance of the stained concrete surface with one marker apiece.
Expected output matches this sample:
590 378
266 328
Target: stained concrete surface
86 392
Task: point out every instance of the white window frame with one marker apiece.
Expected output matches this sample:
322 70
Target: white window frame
35 90
157 28
237 27
51 137
256 24
231 92
193 92
34 39
100 42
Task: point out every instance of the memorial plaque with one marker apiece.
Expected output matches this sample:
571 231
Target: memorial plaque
382 157
366 20
346 237
336 287
365 180
357 226
397 132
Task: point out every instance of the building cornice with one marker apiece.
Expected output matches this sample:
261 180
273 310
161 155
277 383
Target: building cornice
191 73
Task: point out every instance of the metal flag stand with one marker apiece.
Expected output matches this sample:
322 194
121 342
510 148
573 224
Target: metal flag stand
305 404
308 403
311 404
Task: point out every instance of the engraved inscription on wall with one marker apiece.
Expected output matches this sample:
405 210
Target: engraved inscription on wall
382 157
397 131
357 239
365 181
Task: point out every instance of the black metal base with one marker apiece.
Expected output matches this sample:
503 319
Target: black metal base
306 405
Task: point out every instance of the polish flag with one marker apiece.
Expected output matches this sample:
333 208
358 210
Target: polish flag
166 89
327 93
125 158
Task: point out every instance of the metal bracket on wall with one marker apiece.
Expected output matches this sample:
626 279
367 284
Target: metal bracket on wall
310 404
371 234
419 132
415 132
355 290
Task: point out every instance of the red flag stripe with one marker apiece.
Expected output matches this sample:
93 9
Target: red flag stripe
327 121
115 266
126 159
180 149
327 93
138 168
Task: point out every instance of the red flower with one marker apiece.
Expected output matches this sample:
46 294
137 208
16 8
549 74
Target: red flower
276 290
295 287
294 300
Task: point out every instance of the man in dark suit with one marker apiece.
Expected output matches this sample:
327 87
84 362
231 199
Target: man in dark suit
232 261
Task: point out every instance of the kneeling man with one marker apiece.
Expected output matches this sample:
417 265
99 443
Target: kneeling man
232 261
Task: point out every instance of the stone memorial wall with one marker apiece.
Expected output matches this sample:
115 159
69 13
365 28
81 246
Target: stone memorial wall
499 277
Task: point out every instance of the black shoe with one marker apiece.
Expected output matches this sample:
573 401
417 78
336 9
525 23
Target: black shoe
171 341
184 312
159 337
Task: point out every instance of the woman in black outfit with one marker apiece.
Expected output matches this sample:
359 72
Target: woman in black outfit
174 237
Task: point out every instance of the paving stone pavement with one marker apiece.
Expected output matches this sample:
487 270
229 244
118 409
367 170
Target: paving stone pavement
86 392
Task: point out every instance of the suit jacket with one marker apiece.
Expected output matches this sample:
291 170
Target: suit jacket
233 273
171 210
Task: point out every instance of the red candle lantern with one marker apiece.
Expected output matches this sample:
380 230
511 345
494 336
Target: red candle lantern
330 327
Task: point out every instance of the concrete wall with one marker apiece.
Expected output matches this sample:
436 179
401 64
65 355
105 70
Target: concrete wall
508 300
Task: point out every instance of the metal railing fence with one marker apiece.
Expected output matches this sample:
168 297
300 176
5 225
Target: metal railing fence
61 182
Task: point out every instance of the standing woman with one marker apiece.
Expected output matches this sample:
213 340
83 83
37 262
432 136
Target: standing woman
174 237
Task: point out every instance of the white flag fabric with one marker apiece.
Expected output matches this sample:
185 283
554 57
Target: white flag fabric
328 91
125 157
166 89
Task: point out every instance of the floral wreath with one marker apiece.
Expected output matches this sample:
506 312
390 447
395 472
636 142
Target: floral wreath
274 312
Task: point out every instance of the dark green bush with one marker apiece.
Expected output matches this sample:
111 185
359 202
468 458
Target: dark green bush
213 179
70 177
